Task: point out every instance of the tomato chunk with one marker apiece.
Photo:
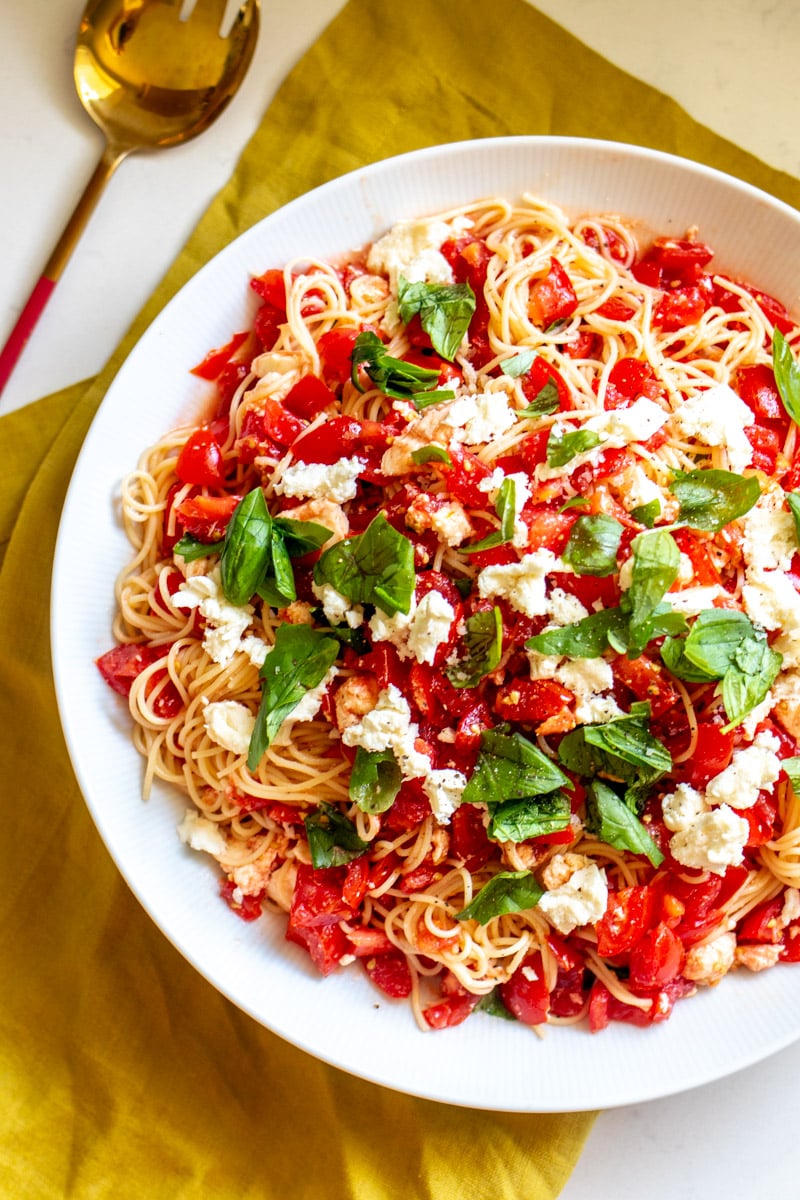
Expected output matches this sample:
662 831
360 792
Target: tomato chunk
525 994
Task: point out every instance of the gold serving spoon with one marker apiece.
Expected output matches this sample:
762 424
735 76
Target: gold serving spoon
151 74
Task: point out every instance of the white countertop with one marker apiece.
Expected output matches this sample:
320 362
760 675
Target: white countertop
731 63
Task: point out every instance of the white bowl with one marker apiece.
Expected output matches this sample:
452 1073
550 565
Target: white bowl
484 1063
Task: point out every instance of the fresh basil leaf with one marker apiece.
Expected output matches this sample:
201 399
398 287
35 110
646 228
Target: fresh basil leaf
190 549
506 892
715 638
787 375
393 376
528 817
563 447
506 509
483 641
647 514
519 365
422 400
374 780
492 1004
374 567
271 594
445 311
748 681
673 654
792 768
593 544
623 748
298 662
656 562
710 499
245 550
332 838
510 767
574 502
427 454
301 537
612 822
545 402
281 567
587 638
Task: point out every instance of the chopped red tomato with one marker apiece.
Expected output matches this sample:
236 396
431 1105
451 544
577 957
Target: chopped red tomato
366 941
356 881
249 908
215 360
762 925
390 972
329 442
309 397
713 753
552 298
280 425
548 528
656 958
531 701
465 476
271 287
766 445
569 992
206 517
629 379
445 1014
121 665
542 373
200 460
335 351
525 994
469 841
647 680
629 914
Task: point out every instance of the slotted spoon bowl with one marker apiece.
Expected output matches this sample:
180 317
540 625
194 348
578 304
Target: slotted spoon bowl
151 74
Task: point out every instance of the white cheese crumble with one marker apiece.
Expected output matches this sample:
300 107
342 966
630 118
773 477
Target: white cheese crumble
714 841
482 418
752 768
418 633
388 726
230 724
640 489
412 249
582 900
225 622
693 600
201 834
522 583
717 417
311 702
336 607
322 481
637 423
770 534
682 807
443 788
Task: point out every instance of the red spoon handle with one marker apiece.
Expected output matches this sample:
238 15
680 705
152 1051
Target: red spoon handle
24 327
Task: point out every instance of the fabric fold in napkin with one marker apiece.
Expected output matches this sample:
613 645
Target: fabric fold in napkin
125 1074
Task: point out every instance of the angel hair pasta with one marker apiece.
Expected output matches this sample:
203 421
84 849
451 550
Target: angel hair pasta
469 624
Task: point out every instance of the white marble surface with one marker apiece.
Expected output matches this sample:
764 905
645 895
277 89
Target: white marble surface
731 63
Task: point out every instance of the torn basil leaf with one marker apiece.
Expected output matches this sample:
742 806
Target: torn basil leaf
506 892
190 548
394 377
710 499
793 500
297 663
587 638
374 780
427 454
610 819
563 447
545 402
506 509
445 311
792 768
593 544
510 767
529 817
622 748
332 838
656 562
300 537
375 567
647 514
519 365
245 550
787 375
483 641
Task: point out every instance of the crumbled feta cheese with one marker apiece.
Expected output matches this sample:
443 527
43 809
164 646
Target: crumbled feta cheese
201 834
770 534
411 249
718 417
752 768
230 724
693 600
225 623
770 600
482 418
620 426
565 609
337 608
443 788
322 481
388 726
640 489
418 633
758 958
714 842
522 494
580 901
311 702
682 807
521 583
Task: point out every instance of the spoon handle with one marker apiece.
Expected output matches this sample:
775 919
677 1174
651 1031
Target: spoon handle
111 158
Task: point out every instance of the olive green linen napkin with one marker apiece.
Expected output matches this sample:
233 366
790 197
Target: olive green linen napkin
122 1072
